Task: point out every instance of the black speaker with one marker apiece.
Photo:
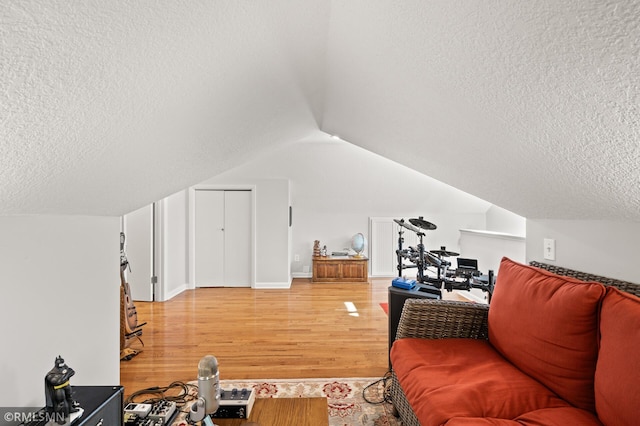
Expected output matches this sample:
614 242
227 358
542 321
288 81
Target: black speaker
397 297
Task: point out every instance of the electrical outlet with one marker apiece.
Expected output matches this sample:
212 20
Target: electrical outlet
296 258
549 249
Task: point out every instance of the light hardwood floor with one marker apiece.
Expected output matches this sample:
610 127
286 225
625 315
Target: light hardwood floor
302 332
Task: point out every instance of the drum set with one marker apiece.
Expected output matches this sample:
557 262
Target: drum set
434 270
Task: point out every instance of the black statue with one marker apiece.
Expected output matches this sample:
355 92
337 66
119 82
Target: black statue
58 391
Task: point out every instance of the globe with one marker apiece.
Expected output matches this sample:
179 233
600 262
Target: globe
357 244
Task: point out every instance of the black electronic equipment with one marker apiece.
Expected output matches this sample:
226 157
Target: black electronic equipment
465 264
235 404
100 404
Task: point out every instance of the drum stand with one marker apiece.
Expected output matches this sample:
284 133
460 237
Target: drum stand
422 259
399 252
418 261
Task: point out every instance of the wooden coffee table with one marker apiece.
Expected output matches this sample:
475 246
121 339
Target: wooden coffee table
284 412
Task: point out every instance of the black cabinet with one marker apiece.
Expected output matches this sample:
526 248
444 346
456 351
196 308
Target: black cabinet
102 406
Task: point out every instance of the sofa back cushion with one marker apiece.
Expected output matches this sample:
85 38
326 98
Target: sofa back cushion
617 377
547 326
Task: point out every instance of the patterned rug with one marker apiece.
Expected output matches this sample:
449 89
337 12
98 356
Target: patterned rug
352 401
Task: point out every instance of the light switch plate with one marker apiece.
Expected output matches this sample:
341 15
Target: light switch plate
549 249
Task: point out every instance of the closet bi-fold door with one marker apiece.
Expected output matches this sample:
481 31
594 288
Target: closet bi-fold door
222 238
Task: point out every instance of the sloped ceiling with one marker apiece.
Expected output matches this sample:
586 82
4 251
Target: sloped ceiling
533 106
110 105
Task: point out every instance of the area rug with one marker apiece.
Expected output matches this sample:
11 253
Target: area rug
351 401
385 307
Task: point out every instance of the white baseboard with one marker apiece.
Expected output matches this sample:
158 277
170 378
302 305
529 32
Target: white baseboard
176 292
275 285
301 275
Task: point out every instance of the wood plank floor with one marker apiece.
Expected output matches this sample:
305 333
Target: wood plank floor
302 332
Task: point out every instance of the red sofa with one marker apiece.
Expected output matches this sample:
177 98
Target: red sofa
549 350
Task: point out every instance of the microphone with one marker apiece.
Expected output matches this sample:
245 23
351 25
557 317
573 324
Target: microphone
208 390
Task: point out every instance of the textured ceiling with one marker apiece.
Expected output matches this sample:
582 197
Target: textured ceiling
533 106
108 105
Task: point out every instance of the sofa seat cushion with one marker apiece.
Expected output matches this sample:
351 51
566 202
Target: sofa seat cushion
446 378
562 416
547 326
617 377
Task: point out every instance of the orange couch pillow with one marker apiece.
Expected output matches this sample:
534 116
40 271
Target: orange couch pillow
547 326
617 377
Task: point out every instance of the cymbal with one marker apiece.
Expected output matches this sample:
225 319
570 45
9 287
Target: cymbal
444 253
409 226
421 223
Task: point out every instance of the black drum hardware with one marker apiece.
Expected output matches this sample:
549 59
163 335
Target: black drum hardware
434 270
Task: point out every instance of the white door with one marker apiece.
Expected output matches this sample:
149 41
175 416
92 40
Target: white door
382 247
383 244
237 233
138 230
209 238
222 238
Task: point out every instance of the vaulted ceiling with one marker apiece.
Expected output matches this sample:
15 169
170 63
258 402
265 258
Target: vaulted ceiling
108 105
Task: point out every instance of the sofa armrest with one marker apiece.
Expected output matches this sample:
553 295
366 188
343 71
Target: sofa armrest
439 319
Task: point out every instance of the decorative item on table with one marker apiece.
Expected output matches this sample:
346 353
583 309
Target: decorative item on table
357 244
323 252
316 248
58 395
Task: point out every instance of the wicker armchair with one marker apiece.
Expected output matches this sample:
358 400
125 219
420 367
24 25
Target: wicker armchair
439 319
436 319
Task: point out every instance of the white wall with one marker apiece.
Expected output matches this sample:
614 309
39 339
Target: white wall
138 227
337 186
490 247
173 236
504 221
334 188
61 296
606 248
170 229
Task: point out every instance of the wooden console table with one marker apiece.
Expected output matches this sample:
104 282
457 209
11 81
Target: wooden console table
331 269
